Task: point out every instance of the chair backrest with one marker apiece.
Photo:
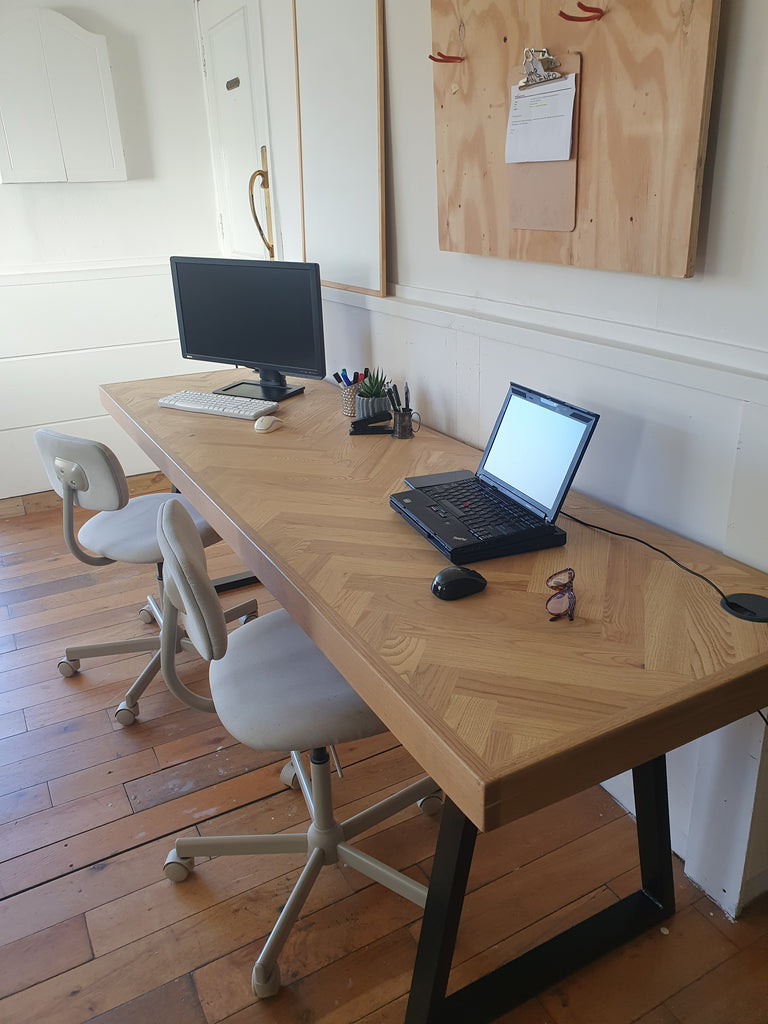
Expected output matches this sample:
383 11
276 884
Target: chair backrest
87 469
188 587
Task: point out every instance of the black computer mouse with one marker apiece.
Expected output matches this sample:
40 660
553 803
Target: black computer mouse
456 581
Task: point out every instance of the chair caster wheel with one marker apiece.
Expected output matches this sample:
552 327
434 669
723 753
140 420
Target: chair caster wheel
69 666
127 714
146 614
176 868
265 984
289 777
245 619
431 804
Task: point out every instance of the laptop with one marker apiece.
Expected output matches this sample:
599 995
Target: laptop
510 504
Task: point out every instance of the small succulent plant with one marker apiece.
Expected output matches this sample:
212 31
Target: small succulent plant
374 385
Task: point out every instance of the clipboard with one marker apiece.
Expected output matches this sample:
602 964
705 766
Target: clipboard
542 196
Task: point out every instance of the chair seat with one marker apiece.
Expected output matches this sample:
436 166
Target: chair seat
274 690
130 533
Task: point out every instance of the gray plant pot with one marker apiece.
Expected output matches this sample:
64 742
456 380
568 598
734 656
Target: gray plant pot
369 406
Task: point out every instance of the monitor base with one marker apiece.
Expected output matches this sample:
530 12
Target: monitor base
266 392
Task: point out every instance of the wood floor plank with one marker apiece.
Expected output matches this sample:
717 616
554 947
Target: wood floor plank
97 749
102 776
173 1003
517 900
43 955
751 925
607 992
204 742
61 700
79 891
317 940
37 662
102 609
167 783
56 737
737 990
12 723
24 594
110 980
24 801
65 630
103 841
129 588
53 824
492 951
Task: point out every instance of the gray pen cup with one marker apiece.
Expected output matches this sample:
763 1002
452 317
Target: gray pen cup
404 423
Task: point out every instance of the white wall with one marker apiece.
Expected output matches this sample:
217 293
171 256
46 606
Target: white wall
85 293
677 369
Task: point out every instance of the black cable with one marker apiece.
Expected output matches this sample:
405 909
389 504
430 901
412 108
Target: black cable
628 536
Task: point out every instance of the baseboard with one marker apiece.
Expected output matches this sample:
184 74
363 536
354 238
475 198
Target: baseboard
143 483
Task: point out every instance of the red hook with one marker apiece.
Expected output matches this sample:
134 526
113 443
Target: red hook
594 13
442 58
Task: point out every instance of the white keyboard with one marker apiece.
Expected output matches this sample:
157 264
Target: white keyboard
218 405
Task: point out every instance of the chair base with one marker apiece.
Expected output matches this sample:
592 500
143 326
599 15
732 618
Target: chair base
128 710
325 842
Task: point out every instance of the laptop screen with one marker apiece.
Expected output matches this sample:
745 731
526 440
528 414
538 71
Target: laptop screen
535 449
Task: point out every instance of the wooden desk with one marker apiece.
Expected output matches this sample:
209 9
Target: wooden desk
506 710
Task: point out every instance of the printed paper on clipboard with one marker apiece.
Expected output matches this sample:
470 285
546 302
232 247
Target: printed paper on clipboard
540 122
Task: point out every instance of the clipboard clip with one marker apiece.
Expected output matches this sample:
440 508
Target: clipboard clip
539 68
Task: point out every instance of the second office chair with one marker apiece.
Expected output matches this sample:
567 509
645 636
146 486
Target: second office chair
274 690
87 474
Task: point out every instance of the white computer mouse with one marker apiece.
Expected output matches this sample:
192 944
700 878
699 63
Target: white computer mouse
264 424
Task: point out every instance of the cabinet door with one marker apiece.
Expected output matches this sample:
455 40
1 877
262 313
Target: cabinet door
234 81
29 141
58 116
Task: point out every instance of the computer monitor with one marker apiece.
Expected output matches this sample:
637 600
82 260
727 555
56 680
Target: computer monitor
263 314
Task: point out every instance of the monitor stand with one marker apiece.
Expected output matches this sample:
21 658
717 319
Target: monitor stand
270 387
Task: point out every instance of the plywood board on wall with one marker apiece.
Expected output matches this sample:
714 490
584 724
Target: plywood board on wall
646 84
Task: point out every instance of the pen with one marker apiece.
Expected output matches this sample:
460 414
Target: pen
407 398
366 371
396 394
337 378
356 377
391 398
345 378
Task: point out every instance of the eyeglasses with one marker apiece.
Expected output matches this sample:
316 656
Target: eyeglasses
564 600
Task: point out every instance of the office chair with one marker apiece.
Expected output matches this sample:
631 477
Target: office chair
274 690
88 474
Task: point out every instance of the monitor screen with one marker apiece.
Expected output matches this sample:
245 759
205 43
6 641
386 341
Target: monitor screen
264 315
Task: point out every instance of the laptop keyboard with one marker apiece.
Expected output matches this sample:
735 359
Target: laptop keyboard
478 508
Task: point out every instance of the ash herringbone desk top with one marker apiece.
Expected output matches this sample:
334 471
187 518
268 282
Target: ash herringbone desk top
505 709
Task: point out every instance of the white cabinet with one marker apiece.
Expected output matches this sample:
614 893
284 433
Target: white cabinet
58 117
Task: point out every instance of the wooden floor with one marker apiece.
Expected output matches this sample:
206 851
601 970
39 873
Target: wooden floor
91 931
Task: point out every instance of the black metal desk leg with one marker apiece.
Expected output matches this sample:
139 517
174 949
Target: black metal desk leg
653 838
447 886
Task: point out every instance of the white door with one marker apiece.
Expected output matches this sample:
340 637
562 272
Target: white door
233 66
